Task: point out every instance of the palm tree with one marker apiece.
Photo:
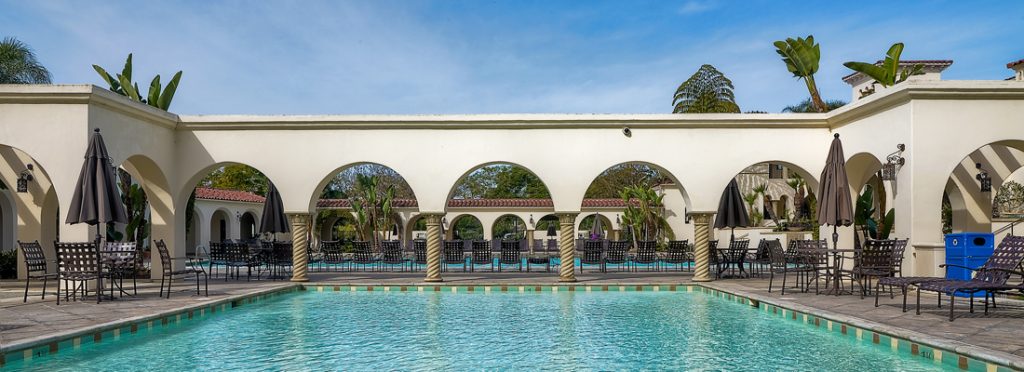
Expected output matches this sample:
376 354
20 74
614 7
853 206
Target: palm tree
18 65
806 106
707 91
801 57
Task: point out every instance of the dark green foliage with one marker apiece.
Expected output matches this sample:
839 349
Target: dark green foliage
18 64
706 91
501 181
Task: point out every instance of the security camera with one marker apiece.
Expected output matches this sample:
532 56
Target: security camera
627 132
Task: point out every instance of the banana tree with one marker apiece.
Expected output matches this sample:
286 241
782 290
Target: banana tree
158 96
372 205
644 214
889 72
801 56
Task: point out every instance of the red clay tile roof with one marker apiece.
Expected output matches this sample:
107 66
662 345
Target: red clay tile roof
344 203
926 62
227 195
245 196
484 203
1014 63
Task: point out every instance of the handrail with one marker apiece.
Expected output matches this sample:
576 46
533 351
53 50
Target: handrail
1009 227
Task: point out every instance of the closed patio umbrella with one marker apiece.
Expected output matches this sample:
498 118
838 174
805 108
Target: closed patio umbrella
274 220
96 199
596 228
834 201
731 210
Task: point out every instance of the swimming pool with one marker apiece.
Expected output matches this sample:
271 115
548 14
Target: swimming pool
376 330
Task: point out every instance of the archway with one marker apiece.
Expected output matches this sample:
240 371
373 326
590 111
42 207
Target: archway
642 182
247 226
31 208
465 227
220 226
780 199
220 196
370 200
509 227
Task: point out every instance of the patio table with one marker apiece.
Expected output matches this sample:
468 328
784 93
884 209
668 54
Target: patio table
838 256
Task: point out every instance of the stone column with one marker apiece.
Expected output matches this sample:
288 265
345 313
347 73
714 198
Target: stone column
567 246
529 240
702 261
433 247
300 256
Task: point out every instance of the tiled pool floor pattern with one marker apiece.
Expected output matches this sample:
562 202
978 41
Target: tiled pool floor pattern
996 332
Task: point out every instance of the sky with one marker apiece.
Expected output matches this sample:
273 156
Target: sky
454 56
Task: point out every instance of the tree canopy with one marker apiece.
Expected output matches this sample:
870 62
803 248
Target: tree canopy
501 181
706 91
344 184
237 177
611 182
807 106
18 64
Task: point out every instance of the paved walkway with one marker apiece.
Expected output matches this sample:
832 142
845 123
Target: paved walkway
998 331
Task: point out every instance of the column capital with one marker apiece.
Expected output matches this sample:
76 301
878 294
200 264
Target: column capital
701 218
567 217
432 218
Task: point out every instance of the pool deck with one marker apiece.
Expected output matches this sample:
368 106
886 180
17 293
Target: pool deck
995 336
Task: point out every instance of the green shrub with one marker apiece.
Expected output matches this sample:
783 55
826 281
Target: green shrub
8 264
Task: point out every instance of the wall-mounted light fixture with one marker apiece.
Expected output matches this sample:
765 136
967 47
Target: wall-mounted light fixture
893 163
24 178
238 215
983 178
444 222
531 221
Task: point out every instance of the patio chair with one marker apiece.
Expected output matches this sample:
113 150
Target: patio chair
392 255
333 256
35 266
314 257
990 276
617 254
647 255
733 258
119 261
593 254
362 255
712 254
759 260
510 254
237 256
875 260
679 253
481 254
281 260
783 263
814 255
169 273
419 250
454 254
897 280
78 263
218 255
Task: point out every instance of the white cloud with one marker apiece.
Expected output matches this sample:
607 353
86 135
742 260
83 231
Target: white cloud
695 6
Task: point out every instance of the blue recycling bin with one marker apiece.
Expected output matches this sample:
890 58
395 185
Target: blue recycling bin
970 250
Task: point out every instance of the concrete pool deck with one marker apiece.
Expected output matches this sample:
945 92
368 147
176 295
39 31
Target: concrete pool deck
995 336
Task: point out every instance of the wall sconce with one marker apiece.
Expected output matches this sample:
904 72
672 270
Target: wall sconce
618 221
893 163
983 178
238 216
444 222
24 178
531 221
686 212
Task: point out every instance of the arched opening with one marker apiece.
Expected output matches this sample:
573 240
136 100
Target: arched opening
547 228
983 192
656 209
220 226
247 226
586 227
29 205
416 229
366 202
465 227
780 199
500 194
509 227
222 197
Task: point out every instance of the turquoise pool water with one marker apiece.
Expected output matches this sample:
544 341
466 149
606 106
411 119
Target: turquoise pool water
484 331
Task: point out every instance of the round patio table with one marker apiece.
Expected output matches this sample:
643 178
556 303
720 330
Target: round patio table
838 255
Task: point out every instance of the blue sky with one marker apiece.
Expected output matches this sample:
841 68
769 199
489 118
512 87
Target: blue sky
425 57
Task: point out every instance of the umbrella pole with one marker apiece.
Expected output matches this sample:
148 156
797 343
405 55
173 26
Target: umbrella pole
732 234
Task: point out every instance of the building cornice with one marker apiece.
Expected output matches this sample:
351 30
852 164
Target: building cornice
88 95
925 90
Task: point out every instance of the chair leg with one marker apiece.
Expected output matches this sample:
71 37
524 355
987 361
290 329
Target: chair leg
785 273
952 299
27 280
771 279
44 288
918 301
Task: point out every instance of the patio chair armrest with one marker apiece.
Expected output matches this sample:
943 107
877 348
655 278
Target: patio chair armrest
947 266
1014 272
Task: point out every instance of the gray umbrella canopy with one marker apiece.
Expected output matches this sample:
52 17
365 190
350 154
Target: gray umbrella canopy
96 199
732 212
596 228
834 201
273 221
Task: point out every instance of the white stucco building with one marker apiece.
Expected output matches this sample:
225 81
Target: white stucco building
945 126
